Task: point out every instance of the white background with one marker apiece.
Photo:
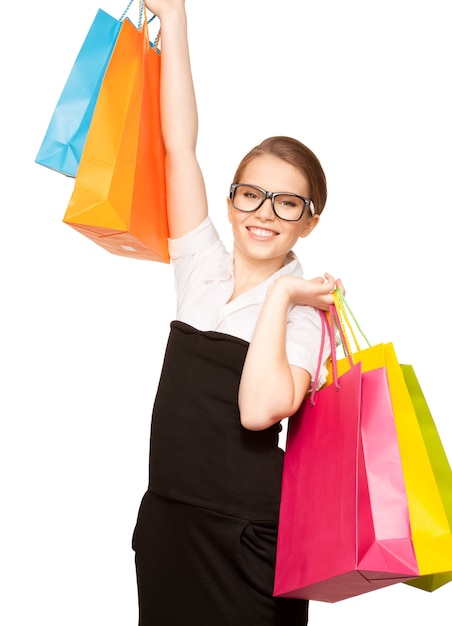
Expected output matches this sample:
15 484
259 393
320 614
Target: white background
367 87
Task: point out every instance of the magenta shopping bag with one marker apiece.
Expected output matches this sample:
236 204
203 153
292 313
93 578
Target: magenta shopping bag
344 523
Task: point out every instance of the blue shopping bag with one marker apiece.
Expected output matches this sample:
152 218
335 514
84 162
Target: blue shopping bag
64 140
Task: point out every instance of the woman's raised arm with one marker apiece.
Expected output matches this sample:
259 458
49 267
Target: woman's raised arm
186 194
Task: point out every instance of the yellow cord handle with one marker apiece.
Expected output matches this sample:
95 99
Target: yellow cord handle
349 328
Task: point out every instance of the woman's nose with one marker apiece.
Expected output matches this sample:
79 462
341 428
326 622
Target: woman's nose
265 211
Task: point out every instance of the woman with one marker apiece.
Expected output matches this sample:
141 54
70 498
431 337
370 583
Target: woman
240 358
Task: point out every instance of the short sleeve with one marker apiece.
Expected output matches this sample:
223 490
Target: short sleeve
193 242
304 338
198 259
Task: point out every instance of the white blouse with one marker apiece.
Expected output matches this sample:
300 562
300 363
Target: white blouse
204 280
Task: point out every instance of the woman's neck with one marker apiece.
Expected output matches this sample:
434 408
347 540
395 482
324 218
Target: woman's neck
248 273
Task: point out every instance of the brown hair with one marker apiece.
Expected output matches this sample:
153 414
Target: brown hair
297 154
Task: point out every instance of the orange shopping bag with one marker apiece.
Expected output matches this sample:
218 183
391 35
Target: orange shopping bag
119 198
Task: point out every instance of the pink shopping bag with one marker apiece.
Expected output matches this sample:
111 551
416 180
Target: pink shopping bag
344 523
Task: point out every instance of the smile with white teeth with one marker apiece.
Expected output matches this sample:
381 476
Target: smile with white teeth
261 233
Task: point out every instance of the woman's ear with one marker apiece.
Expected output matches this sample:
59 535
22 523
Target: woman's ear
309 225
230 208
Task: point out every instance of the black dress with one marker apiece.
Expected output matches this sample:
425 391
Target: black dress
206 531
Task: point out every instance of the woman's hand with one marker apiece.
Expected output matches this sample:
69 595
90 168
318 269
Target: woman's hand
316 292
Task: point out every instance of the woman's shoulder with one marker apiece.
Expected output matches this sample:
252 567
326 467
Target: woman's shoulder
196 240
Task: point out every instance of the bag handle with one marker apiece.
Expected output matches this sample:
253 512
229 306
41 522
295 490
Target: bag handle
331 321
328 325
337 322
141 11
315 382
153 44
142 14
350 330
338 317
126 10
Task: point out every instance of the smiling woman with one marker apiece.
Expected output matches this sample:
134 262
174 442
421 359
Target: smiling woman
278 218
367 91
240 358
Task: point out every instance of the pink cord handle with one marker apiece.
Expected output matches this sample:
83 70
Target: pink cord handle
319 360
329 323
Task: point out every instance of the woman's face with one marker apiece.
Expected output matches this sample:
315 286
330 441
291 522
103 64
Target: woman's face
261 234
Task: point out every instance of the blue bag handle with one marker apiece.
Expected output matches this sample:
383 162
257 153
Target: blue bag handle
154 44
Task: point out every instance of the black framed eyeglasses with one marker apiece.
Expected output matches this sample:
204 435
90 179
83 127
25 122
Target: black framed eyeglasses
287 206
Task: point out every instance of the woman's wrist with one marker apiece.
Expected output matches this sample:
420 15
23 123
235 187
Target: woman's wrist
174 13
279 291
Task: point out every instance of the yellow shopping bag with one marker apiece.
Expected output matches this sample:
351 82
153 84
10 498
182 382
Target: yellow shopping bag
439 462
430 508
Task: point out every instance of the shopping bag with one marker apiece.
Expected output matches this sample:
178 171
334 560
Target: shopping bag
119 198
343 527
428 490
63 142
439 462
